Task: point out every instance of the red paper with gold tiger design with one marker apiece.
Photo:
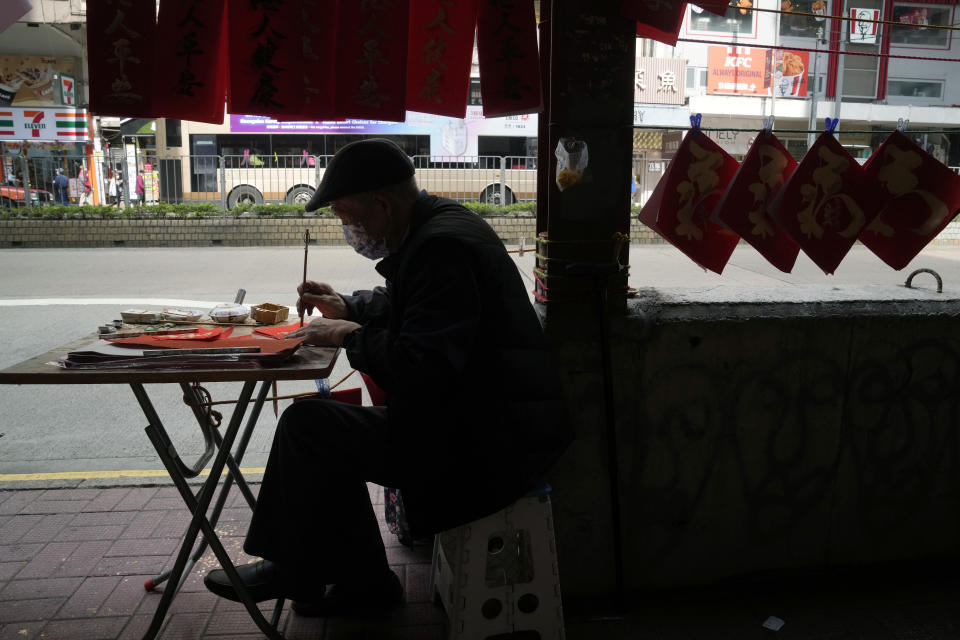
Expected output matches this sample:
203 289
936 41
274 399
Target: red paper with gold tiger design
826 203
743 208
920 197
680 207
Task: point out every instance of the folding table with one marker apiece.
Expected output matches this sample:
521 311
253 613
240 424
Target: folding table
306 364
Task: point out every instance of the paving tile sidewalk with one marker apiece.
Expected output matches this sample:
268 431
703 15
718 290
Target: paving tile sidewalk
73 562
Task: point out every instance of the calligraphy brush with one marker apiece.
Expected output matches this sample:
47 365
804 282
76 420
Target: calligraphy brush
306 245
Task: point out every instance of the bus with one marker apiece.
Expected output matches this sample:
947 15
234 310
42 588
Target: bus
253 159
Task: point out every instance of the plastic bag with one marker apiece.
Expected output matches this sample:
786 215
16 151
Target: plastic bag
572 159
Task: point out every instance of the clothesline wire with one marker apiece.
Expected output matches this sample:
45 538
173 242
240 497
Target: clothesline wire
908 132
849 19
735 43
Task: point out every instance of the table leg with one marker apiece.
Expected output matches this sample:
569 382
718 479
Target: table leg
198 507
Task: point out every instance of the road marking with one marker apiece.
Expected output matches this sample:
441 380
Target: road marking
159 302
90 475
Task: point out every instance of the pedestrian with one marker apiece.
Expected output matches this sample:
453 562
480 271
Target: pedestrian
140 188
112 189
61 186
474 410
84 187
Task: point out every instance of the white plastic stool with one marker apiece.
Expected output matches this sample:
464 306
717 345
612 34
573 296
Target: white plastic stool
498 575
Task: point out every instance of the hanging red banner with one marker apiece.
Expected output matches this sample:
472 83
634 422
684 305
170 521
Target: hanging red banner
743 208
825 203
920 195
509 62
319 55
191 81
440 52
681 205
656 19
266 76
120 39
372 60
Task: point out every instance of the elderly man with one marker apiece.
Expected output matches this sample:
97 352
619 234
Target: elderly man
474 413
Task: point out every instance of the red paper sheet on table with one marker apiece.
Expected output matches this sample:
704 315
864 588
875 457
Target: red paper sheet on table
826 203
191 82
743 208
681 205
120 43
509 62
656 19
266 345
266 75
439 56
371 65
277 332
920 197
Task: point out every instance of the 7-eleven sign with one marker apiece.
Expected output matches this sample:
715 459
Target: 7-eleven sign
60 123
33 122
68 90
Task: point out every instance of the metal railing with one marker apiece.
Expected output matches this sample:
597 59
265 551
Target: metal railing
251 178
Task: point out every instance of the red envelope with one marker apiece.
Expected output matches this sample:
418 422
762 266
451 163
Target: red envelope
681 205
920 196
826 203
656 19
743 208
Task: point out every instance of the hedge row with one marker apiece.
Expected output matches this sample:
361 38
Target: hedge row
207 210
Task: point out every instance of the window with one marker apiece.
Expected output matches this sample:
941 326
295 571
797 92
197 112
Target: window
174 138
803 26
691 79
915 32
915 88
736 21
474 98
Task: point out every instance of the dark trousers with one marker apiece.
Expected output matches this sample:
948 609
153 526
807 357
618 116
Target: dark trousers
313 515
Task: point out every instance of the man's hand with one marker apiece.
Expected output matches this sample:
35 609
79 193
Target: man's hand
321 296
325 332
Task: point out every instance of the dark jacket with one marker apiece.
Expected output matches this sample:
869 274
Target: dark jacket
475 407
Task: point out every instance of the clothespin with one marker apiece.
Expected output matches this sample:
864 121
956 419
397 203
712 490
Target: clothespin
830 124
695 121
902 124
768 124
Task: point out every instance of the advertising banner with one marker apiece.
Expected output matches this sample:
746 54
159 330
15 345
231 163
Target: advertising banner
754 71
449 137
659 80
62 124
32 80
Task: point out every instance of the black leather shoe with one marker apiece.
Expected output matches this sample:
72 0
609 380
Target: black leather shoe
367 598
261 579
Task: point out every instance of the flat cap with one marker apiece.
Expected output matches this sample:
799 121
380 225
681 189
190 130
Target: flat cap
361 166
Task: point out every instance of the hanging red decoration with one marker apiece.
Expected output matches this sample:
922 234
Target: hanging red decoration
743 208
120 40
265 63
371 68
318 50
681 205
920 197
656 19
509 62
825 204
191 81
440 52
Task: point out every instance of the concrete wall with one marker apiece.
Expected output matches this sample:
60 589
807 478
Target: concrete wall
763 434
205 232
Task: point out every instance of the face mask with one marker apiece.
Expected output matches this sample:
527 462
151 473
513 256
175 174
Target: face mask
363 243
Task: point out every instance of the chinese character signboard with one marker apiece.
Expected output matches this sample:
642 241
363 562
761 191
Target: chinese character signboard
757 72
659 81
62 124
862 27
440 51
32 80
